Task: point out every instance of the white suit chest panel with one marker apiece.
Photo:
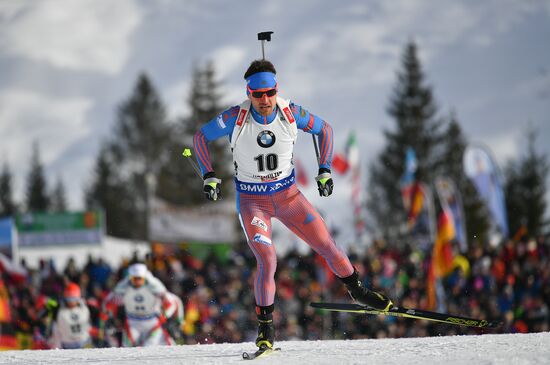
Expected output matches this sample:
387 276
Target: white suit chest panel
263 152
73 324
141 302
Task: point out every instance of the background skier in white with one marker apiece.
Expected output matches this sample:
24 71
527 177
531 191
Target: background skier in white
146 303
71 326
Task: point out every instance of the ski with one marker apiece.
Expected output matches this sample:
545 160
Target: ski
409 313
262 352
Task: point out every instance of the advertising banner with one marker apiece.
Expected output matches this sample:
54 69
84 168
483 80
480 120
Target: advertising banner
42 229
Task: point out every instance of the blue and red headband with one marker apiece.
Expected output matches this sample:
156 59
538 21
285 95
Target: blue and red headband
261 80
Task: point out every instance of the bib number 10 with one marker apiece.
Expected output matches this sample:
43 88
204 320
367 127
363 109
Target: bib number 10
271 161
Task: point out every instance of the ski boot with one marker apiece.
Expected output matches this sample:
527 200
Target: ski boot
266 329
364 295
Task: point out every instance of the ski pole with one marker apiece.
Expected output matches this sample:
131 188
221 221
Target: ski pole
187 153
316 150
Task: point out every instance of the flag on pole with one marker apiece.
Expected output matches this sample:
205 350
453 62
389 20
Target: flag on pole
344 162
349 161
442 260
407 182
357 191
416 196
442 254
483 171
416 202
340 163
451 201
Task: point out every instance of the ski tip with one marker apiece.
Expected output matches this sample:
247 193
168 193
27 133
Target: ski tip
259 353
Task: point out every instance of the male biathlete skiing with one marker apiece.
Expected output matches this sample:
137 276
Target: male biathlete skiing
262 132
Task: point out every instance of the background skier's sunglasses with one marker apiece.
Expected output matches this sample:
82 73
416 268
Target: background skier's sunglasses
259 94
137 280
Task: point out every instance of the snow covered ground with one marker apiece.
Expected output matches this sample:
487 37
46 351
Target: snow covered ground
486 349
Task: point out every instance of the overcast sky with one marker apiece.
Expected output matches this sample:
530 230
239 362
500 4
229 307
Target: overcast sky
66 65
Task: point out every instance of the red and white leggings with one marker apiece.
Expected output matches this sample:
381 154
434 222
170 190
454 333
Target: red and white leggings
295 212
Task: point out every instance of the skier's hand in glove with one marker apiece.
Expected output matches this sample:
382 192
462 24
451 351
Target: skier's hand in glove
212 186
324 182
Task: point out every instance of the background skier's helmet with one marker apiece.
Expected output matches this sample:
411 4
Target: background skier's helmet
72 293
137 274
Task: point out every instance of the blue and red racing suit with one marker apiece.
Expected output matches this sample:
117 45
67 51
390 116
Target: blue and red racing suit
262 150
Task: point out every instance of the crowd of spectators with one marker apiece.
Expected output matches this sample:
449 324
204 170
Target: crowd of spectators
510 282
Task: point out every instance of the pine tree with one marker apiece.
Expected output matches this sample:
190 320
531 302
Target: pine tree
7 205
414 111
108 194
476 215
137 150
58 199
36 195
178 182
525 189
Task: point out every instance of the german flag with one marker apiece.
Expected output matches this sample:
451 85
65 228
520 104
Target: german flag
442 262
442 254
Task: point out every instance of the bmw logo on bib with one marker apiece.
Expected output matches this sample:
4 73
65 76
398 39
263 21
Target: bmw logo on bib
266 139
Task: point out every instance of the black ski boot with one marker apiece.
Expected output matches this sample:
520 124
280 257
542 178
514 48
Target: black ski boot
266 329
365 296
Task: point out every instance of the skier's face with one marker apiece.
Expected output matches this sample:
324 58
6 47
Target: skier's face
71 302
137 281
263 100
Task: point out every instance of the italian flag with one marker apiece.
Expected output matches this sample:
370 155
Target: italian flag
342 162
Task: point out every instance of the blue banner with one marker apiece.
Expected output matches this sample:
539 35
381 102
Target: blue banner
483 170
5 232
